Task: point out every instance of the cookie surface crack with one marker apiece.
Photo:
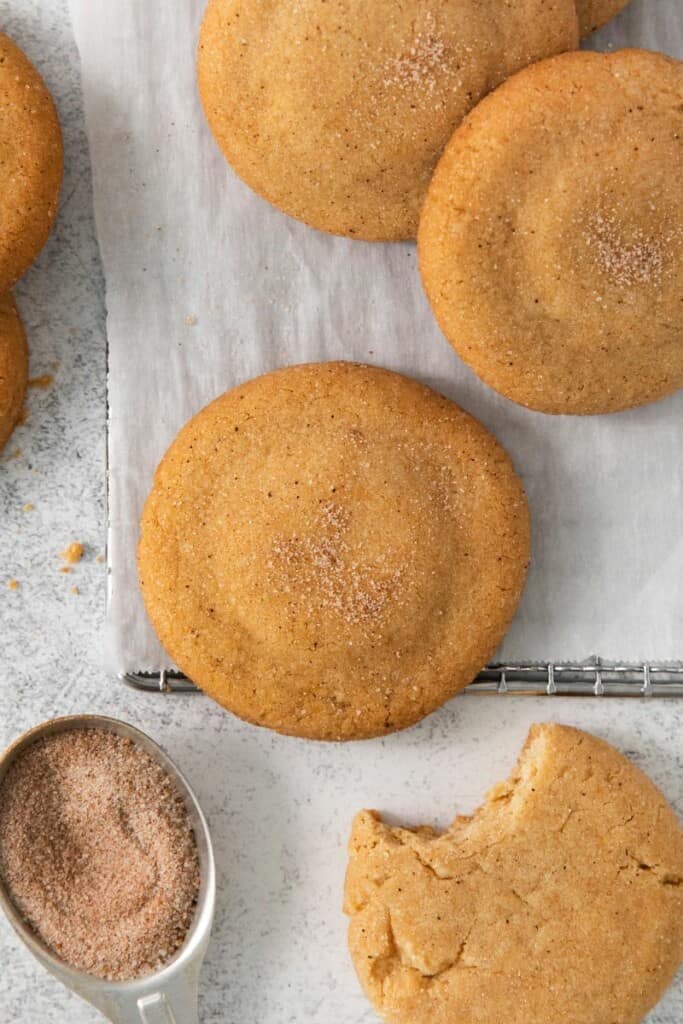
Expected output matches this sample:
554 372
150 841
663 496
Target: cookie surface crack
456 961
477 925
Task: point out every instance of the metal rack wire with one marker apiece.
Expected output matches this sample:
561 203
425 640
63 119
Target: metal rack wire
593 678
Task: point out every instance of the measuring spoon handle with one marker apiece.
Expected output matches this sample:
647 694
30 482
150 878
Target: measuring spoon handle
168 1008
176 1003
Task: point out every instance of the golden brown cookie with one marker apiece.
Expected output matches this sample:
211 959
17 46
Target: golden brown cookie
551 240
13 366
336 111
333 550
595 13
30 163
560 900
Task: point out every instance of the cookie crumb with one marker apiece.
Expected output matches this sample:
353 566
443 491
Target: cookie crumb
190 321
28 507
73 553
13 584
74 590
45 381
65 568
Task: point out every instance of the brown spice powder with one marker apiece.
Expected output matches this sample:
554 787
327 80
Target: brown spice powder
97 853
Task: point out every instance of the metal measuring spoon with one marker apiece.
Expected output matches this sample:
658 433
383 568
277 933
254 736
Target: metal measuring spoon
169 996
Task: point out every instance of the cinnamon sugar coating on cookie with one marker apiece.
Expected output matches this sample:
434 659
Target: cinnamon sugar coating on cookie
336 111
551 239
333 550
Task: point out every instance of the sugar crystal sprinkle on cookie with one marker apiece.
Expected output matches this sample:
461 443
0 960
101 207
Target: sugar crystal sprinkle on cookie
636 258
423 64
320 567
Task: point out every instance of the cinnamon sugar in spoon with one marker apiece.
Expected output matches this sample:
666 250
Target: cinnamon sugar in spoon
165 990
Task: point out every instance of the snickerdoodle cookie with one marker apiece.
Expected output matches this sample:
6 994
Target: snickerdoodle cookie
336 111
560 900
13 366
551 240
333 550
595 13
30 163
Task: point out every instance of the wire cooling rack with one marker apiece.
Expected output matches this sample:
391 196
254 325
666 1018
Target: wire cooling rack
593 678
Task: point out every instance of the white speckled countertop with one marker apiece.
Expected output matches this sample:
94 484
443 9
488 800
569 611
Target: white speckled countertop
278 953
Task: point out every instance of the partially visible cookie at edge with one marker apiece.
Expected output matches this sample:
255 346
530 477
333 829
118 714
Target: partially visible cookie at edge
337 112
333 550
551 239
593 14
13 367
31 161
560 899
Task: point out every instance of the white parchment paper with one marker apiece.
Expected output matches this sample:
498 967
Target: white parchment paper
208 285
